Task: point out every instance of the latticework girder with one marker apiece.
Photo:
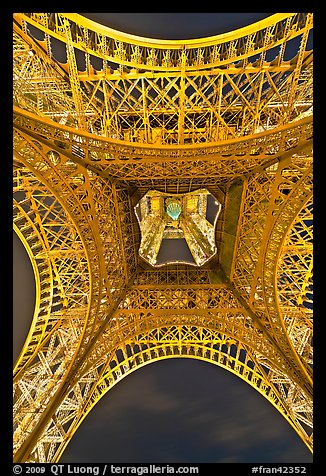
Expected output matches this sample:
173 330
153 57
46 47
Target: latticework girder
212 90
174 117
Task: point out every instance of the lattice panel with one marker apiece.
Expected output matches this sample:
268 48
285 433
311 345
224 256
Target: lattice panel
212 102
295 285
67 228
121 49
61 308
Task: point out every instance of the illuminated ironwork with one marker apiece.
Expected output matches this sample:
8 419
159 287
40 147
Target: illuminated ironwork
189 218
230 114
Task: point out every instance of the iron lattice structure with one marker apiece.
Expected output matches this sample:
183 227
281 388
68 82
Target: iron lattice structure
119 116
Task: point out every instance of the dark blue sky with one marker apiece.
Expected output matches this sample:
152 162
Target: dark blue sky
185 411
23 295
175 26
176 410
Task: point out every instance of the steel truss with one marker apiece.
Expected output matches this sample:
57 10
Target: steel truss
175 117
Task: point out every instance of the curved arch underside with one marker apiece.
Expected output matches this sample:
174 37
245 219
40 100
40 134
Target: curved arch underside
186 341
178 94
88 146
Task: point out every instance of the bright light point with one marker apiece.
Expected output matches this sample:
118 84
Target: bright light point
174 209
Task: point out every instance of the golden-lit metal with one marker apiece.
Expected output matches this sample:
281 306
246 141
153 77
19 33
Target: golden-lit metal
101 118
189 218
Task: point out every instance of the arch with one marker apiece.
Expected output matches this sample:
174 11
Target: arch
153 54
294 281
244 129
189 403
25 275
58 201
286 218
35 205
37 268
117 53
183 341
46 225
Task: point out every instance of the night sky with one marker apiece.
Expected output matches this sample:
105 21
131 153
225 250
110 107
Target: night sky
177 410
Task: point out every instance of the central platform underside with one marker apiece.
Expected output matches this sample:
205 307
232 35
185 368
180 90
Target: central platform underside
177 228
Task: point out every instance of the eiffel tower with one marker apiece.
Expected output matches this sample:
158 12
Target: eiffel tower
163 192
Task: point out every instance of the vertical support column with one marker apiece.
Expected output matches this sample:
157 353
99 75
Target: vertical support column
73 76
